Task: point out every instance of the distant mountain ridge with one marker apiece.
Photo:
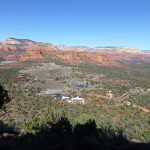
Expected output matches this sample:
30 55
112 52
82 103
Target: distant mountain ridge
18 42
24 49
23 42
29 43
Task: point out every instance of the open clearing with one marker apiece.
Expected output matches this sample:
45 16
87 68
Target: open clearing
45 77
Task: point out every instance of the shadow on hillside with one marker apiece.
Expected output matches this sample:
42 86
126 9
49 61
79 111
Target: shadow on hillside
4 98
62 136
5 129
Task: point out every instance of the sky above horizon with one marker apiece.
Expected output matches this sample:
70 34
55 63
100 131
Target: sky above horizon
78 22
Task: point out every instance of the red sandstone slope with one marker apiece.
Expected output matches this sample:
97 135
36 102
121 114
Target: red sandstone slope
75 58
32 55
22 49
25 48
12 57
23 52
8 48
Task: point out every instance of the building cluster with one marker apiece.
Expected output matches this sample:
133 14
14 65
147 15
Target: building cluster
69 99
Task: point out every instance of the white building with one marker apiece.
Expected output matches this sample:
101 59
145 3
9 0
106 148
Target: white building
65 97
78 99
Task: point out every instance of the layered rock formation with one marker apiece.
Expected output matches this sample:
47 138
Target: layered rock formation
24 49
12 44
32 55
23 42
18 42
8 48
76 58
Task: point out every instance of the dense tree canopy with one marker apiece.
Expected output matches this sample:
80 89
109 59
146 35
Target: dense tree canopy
4 98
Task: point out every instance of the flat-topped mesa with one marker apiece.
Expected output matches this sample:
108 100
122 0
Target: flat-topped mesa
107 49
117 50
24 42
18 42
12 44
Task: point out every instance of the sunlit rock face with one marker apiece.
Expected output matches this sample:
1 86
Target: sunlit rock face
24 49
75 58
18 42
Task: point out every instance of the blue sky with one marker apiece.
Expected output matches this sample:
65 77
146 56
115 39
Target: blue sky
78 22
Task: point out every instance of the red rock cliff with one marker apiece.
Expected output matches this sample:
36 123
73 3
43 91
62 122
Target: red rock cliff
76 58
